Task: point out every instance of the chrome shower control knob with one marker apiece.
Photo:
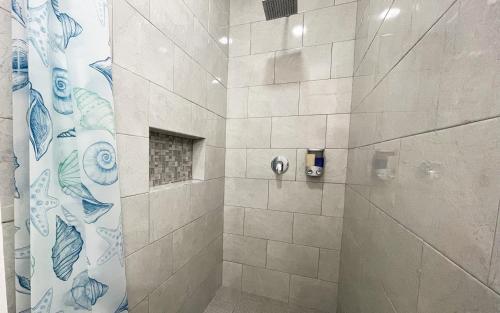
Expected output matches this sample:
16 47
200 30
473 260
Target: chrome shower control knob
279 165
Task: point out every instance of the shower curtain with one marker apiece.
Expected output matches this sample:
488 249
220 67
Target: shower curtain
68 241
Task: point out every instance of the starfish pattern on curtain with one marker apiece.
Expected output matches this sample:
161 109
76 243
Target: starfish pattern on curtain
68 241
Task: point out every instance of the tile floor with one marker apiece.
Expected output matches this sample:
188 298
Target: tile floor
233 301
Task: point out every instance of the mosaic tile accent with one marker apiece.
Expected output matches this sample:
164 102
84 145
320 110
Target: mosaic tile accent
170 158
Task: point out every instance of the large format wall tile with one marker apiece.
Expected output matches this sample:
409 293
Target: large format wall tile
140 47
246 192
273 100
131 96
251 70
325 96
218 22
294 259
329 261
236 160
317 231
239 43
246 11
313 293
264 282
342 59
237 103
168 209
168 111
286 76
454 175
298 132
268 224
308 5
421 208
189 240
233 220
170 296
286 33
248 133
300 197
148 268
135 216
447 288
231 275
332 24
189 78
245 250
174 19
258 163
308 63
134 165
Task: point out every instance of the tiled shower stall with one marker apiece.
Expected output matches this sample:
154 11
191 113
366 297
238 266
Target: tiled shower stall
402 95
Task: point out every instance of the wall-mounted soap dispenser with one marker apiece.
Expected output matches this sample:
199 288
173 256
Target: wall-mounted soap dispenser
315 162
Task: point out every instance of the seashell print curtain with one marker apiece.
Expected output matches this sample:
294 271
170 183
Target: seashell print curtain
68 241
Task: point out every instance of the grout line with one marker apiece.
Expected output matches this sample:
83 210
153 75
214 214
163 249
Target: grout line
319 256
165 88
298 12
494 245
410 49
486 119
424 241
148 21
420 271
373 39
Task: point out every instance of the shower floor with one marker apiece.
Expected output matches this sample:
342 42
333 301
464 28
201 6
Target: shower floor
233 301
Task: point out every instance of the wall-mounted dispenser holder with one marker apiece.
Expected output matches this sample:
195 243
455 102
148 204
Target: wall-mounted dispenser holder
383 165
315 162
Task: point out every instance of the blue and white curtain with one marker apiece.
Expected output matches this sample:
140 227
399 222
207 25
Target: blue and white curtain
68 243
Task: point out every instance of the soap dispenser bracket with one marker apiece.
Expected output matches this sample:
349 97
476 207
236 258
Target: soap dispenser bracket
315 162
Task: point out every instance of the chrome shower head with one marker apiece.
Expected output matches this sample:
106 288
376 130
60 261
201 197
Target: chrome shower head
279 8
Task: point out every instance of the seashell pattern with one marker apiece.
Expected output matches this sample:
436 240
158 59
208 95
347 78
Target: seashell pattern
101 9
23 284
70 133
70 217
70 27
20 76
123 306
70 182
66 250
43 306
86 290
105 68
61 91
38 35
22 253
67 171
16 190
99 163
40 124
18 12
41 202
97 112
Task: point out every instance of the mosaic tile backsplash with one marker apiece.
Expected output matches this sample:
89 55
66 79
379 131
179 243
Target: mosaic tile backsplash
170 158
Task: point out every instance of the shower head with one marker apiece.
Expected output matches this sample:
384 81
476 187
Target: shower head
279 8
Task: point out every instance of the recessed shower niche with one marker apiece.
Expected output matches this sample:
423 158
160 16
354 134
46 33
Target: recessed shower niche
170 158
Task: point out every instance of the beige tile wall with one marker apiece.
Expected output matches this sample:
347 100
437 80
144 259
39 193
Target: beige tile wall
289 90
420 233
170 72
